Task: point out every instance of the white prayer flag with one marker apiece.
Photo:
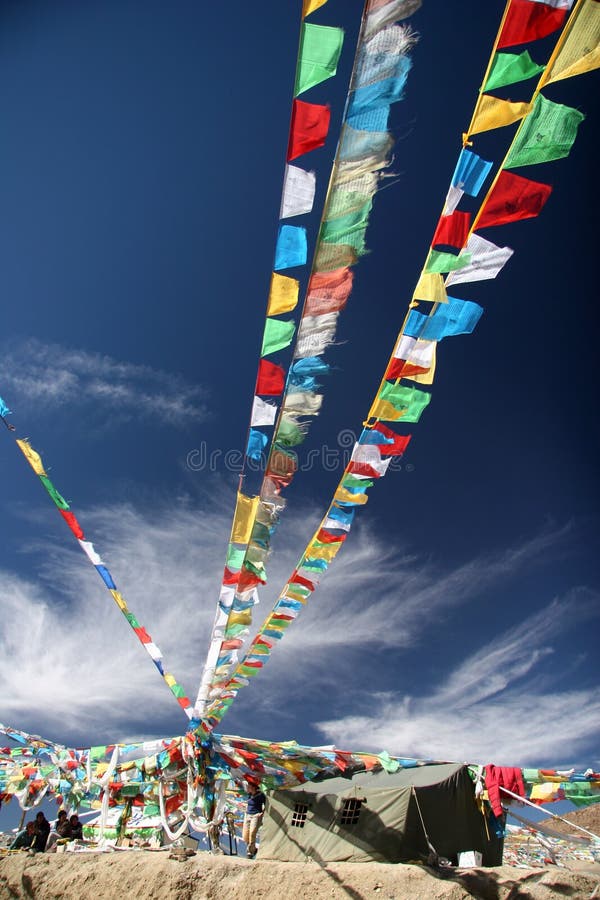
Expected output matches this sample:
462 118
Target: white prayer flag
298 192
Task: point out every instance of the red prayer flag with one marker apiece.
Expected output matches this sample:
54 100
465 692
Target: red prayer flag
230 577
400 368
452 230
528 20
513 198
270 379
73 524
400 441
361 468
299 579
310 124
326 537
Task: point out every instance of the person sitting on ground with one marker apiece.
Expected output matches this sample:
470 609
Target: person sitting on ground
62 824
253 818
42 830
24 840
75 828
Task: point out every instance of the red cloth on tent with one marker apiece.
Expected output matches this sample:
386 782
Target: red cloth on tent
310 124
513 198
502 776
270 379
528 20
452 230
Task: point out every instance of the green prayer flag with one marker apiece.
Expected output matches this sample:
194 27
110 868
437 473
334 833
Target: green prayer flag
277 335
387 763
410 399
547 133
446 262
58 499
320 48
508 68
349 229
288 433
235 557
354 481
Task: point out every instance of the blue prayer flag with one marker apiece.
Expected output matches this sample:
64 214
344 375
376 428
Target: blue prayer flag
292 247
470 172
257 441
106 577
449 319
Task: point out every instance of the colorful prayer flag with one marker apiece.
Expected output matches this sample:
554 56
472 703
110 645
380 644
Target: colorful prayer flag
508 68
547 133
243 519
452 230
283 294
486 261
263 413
270 379
528 20
495 113
298 192
470 172
408 401
445 262
513 198
390 443
581 49
309 6
430 286
453 318
278 334
309 127
292 247
320 48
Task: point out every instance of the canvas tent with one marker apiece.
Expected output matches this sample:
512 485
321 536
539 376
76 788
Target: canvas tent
378 817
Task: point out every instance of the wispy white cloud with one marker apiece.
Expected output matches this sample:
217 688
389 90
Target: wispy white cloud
50 376
77 669
495 706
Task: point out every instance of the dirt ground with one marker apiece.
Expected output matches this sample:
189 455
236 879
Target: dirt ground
157 876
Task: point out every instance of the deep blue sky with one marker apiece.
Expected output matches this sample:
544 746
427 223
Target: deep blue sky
141 163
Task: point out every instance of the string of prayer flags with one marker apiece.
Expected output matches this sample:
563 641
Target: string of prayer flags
580 51
513 198
547 133
486 261
292 247
320 49
530 20
509 68
309 127
270 379
492 112
298 193
453 318
35 461
277 335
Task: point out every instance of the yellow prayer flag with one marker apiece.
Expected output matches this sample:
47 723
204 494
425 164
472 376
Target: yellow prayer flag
581 49
327 551
244 617
425 377
169 679
430 286
243 520
119 600
309 6
383 409
283 295
495 113
348 497
292 595
33 458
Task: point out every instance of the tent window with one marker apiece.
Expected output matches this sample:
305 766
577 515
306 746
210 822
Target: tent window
350 811
299 815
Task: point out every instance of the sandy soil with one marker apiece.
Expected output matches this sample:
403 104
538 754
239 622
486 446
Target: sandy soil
156 876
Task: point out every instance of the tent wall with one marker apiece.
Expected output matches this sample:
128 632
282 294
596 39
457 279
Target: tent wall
389 827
